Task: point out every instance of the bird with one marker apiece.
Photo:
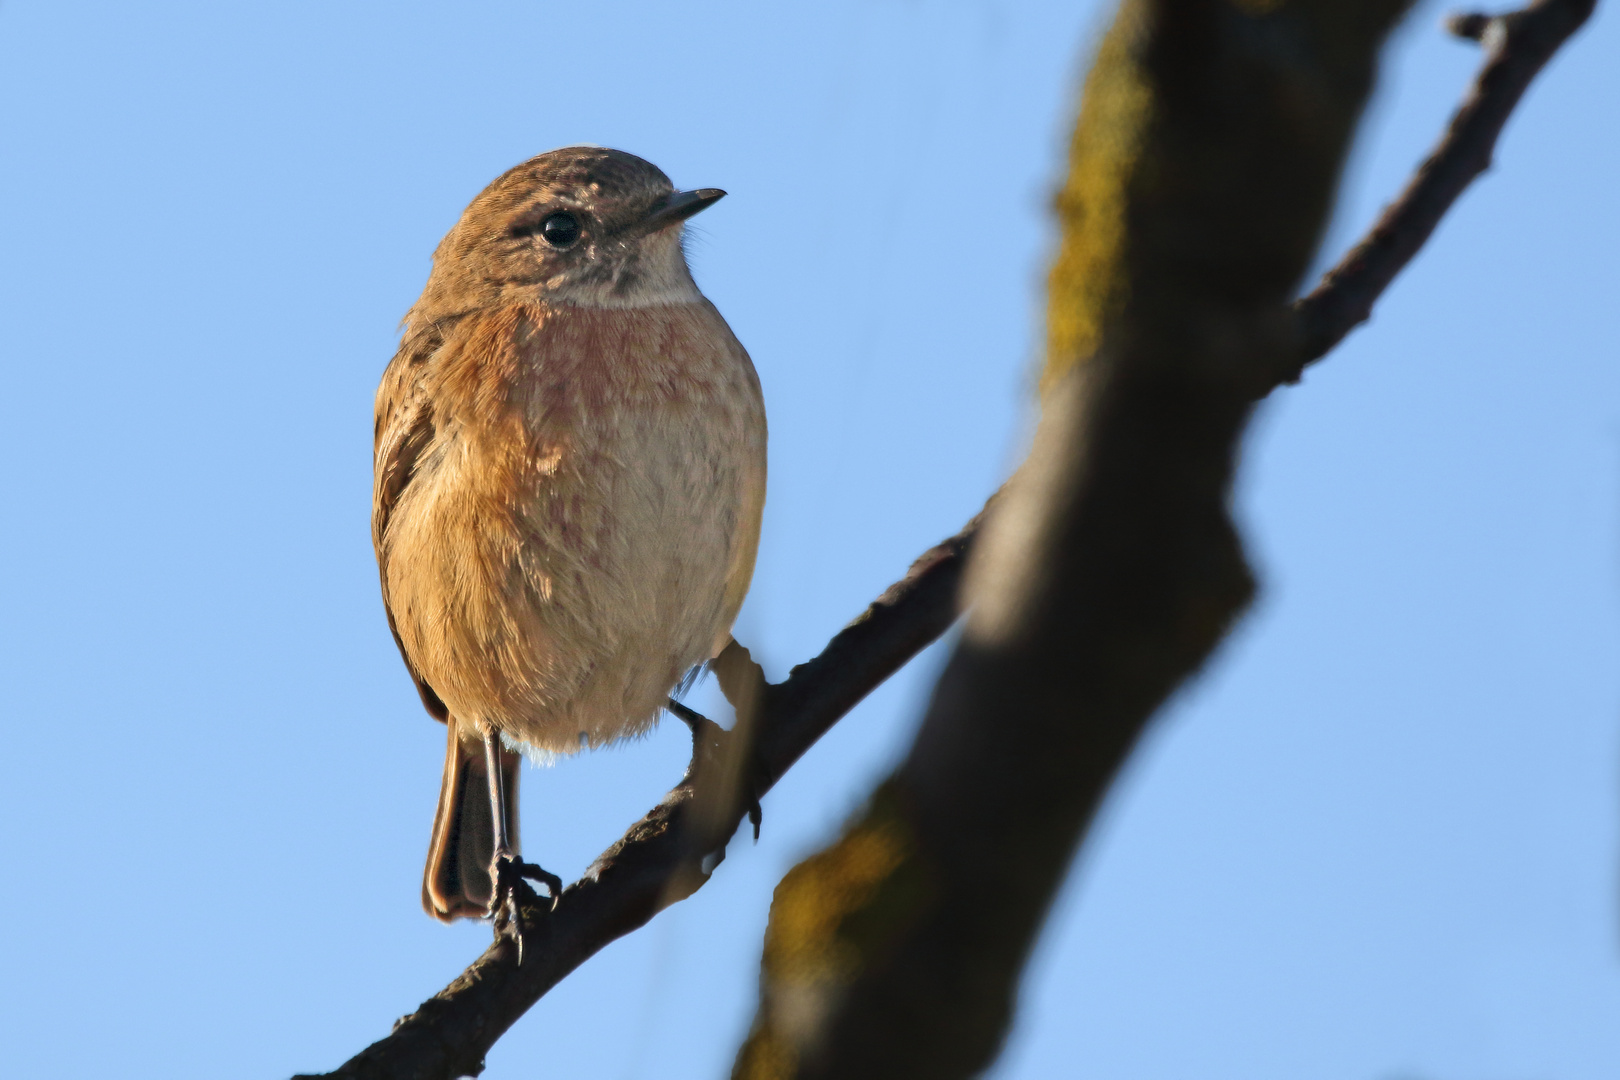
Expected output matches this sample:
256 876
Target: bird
569 479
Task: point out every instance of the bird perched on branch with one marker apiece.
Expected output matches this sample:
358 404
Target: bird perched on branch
570 471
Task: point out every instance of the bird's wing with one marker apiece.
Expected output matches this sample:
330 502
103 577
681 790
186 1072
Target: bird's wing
405 427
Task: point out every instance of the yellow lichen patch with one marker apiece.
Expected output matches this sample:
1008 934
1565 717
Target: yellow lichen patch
764 1056
1087 283
803 942
831 916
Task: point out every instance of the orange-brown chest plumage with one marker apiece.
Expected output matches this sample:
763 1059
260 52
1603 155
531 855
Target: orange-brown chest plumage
567 511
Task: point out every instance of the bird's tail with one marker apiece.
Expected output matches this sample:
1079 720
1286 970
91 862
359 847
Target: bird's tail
457 881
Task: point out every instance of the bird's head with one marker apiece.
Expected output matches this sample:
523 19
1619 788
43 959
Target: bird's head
583 225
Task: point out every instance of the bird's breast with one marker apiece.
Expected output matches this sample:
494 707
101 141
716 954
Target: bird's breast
572 531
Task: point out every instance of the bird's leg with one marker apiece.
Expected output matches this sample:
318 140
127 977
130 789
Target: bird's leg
713 745
506 870
743 683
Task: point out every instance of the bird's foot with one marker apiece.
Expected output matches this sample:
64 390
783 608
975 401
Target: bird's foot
511 876
712 757
743 683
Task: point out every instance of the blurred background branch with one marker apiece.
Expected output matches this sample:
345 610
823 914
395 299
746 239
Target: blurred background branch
1201 174
1201 171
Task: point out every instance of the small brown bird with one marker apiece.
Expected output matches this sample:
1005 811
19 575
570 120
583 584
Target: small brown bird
570 472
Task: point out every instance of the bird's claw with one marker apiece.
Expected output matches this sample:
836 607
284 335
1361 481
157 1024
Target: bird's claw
512 892
756 813
710 744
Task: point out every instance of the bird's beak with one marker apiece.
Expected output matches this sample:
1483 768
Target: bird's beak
679 207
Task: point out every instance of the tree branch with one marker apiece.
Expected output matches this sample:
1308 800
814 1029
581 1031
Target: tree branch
659 860
1517 46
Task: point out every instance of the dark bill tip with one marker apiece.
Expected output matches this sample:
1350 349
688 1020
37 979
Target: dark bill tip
680 206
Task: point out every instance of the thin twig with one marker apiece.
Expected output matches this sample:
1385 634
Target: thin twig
1517 46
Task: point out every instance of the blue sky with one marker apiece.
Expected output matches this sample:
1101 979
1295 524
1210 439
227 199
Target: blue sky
1378 840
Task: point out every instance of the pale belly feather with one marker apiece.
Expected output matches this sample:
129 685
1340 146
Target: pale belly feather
580 535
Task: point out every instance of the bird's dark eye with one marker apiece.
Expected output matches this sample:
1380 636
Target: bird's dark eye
560 230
